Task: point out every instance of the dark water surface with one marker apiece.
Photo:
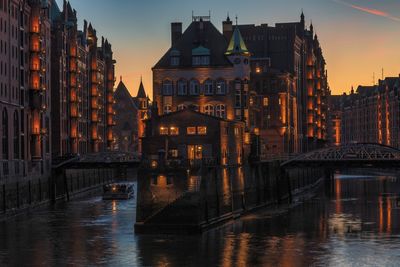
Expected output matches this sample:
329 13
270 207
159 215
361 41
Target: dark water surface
353 221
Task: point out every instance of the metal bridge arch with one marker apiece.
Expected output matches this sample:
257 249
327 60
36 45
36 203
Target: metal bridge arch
351 153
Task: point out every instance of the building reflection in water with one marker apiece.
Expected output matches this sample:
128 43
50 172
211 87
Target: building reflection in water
323 231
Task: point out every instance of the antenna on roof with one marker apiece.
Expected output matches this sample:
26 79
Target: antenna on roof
382 74
236 20
373 78
209 14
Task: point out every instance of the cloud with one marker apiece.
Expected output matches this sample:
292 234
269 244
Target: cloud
371 11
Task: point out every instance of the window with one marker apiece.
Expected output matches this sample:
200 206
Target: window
195 152
265 101
167 88
167 109
236 131
194 87
191 130
163 130
174 130
201 60
174 61
16 135
208 87
173 153
5 134
221 88
280 101
220 111
202 130
182 107
182 87
209 110
238 98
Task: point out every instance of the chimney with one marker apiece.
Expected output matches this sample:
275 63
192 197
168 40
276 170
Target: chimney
176 32
227 28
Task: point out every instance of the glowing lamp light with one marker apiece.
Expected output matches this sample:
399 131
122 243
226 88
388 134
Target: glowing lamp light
154 164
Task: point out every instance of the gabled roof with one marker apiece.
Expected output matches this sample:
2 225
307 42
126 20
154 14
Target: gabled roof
141 92
236 45
198 34
123 93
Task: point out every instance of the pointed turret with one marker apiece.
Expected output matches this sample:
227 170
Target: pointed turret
141 92
236 45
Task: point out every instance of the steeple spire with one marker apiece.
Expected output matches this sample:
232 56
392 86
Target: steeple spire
237 44
141 92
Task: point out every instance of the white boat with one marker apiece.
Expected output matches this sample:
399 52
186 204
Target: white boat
118 191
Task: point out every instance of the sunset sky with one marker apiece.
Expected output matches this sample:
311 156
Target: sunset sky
358 37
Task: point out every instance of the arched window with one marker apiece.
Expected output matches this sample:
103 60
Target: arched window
182 107
182 87
221 87
209 109
167 109
208 87
194 87
167 88
194 107
5 134
220 111
16 136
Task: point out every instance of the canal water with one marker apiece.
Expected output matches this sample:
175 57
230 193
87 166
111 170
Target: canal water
353 221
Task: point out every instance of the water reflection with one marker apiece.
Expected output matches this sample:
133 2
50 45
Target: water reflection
355 223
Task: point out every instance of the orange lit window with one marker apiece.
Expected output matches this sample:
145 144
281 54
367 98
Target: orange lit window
191 130
265 101
163 130
202 130
174 130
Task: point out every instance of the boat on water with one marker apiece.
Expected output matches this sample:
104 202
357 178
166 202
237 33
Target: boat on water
116 191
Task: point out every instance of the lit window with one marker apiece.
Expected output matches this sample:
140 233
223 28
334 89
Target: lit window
209 110
265 102
221 88
220 111
191 130
163 130
280 101
199 152
202 130
208 87
173 153
174 130
182 87
236 131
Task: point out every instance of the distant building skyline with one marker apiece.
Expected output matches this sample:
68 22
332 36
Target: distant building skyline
351 32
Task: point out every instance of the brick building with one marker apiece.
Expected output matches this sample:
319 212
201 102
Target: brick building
368 115
191 136
291 47
82 83
131 112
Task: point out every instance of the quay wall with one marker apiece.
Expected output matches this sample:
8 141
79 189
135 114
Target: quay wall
191 201
30 192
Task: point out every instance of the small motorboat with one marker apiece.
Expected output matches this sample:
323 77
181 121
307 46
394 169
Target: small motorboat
118 191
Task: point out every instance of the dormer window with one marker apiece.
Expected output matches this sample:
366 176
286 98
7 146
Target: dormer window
200 56
175 57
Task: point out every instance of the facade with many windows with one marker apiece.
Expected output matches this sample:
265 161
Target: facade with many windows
203 71
83 83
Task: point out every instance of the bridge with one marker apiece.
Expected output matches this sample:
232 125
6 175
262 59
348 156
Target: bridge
102 160
360 155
